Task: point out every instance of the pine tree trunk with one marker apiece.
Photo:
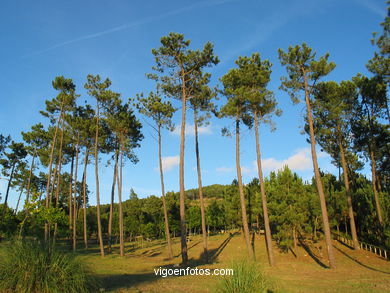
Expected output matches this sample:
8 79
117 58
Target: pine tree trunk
75 196
325 220
349 197
58 177
99 224
49 173
70 198
268 237
183 228
121 239
7 192
29 177
241 190
373 173
295 239
20 195
166 219
85 198
200 189
112 201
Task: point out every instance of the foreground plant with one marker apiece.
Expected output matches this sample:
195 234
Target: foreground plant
29 266
247 278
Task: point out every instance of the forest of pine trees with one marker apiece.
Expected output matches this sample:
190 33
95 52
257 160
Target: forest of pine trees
349 120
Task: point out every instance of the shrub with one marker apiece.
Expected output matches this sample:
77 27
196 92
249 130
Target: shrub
29 266
247 278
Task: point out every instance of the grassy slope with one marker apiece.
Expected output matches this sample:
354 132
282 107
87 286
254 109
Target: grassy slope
357 271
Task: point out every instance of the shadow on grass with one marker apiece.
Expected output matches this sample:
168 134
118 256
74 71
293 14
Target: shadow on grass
360 263
212 253
312 255
126 281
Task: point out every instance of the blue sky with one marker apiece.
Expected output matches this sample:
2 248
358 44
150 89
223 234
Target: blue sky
43 39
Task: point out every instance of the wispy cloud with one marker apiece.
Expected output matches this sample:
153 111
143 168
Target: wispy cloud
190 130
263 30
147 20
373 7
224 169
170 162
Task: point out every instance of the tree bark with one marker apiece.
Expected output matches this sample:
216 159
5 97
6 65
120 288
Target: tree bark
183 228
241 190
121 239
100 236
70 198
50 169
20 195
112 201
58 176
85 197
166 219
349 197
373 174
7 192
202 208
268 237
325 220
75 196
29 177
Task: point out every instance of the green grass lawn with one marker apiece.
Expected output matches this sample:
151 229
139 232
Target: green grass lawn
357 271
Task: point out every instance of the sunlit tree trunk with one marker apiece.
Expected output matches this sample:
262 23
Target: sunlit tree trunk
58 177
50 169
349 197
241 191
85 197
75 196
112 201
320 189
166 219
267 229
99 224
200 189
183 228
121 238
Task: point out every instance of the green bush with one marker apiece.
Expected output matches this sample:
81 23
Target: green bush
29 266
247 278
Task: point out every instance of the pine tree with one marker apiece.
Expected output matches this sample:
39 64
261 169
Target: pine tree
161 113
175 65
303 73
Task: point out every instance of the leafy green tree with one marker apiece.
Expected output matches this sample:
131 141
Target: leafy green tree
303 73
332 112
176 64
367 128
13 158
379 65
161 113
289 203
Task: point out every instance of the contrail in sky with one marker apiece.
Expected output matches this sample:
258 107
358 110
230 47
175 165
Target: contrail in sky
146 20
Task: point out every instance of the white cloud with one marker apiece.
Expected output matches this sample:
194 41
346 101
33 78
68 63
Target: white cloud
190 130
246 170
170 162
224 169
299 161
